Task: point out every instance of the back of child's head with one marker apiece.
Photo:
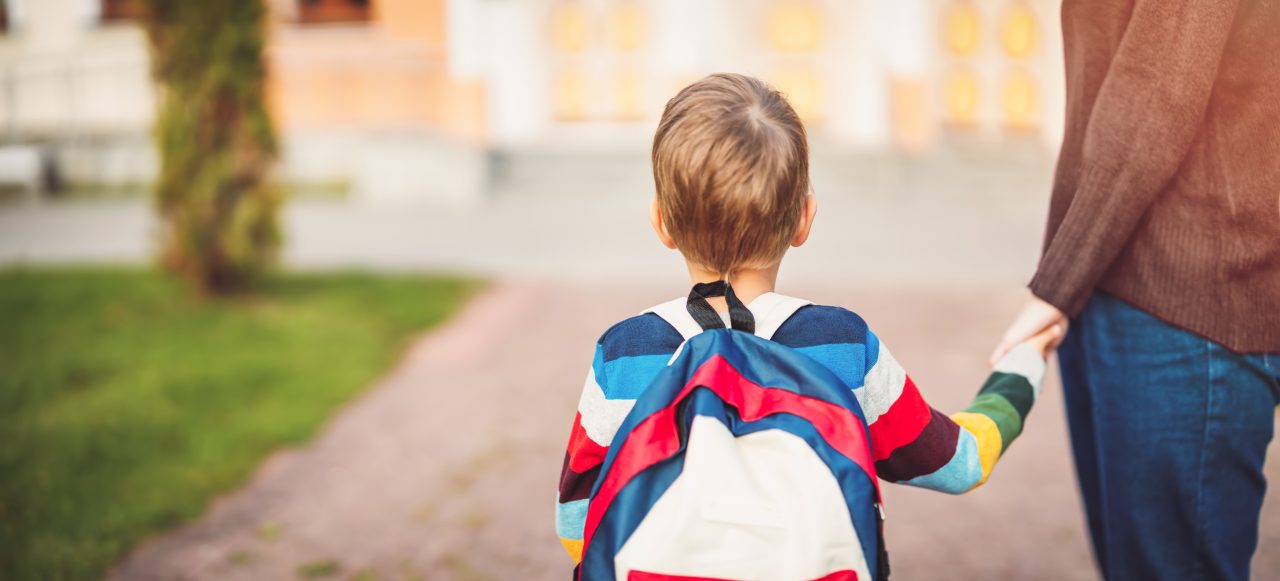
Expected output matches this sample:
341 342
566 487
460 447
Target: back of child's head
731 167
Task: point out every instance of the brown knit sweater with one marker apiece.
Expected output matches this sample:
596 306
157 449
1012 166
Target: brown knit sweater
1167 192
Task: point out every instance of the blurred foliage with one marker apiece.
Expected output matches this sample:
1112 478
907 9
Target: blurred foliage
216 141
126 405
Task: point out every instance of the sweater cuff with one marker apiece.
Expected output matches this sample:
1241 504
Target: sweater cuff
1066 299
1083 248
1026 361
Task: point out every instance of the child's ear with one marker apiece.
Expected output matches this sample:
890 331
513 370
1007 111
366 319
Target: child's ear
655 218
807 214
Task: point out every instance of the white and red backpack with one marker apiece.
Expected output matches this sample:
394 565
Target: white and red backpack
742 460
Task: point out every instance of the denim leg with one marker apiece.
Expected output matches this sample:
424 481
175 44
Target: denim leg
1178 427
1241 421
1078 400
1271 367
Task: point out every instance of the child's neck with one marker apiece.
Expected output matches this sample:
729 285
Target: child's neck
747 284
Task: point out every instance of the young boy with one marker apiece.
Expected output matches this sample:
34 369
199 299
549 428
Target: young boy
731 166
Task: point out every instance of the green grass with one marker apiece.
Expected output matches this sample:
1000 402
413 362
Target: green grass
126 404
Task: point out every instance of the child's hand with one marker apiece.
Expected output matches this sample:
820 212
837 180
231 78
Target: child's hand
1037 315
1047 340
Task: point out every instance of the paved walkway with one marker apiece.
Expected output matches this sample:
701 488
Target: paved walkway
446 469
916 222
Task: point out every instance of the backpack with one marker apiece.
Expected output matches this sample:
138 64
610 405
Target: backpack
743 459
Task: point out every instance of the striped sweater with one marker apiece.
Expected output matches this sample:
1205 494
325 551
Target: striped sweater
911 442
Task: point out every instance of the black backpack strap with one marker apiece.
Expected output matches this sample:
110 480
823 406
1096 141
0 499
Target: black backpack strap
707 317
882 554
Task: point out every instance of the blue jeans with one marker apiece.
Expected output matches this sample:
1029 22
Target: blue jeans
1169 432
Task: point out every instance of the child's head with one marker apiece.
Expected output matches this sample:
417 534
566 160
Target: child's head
731 166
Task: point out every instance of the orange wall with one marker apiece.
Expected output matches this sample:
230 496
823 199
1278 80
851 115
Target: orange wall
416 19
388 74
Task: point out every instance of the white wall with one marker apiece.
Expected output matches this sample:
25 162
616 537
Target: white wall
515 63
65 75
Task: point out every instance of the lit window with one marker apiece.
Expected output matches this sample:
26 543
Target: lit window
629 94
801 87
569 27
571 95
626 26
794 26
962 97
1018 97
960 29
596 72
1018 31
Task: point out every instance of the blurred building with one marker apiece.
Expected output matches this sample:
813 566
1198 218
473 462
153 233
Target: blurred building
74 83
414 99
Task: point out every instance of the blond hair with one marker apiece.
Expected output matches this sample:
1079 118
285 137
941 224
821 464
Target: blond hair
731 168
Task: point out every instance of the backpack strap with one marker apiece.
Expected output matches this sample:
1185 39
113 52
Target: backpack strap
771 310
675 314
740 317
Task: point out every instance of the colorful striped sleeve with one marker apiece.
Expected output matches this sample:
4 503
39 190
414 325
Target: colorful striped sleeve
914 444
594 424
626 360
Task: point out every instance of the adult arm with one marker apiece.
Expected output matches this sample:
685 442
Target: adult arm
1144 120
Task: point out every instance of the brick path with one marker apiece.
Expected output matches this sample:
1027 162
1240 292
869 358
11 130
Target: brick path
446 468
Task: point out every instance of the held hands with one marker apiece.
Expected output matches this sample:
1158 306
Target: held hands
1047 340
1039 323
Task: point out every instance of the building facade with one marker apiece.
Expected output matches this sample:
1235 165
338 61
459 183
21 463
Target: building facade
873 73
412 99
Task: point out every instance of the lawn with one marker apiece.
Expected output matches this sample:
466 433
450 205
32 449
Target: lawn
126 404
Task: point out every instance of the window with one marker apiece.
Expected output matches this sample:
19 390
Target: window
994 86
598 51
794 27
627 27
794 38
1019 94
960 29
628 86
571 94
328 11
1018 100
114 10
961 34
962 97
569 27
1018 31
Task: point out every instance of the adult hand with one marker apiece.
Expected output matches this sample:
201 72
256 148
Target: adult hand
1047 340
1036 316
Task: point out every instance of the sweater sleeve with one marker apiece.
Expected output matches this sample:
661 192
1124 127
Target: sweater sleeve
594 426
1142 125
914 444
